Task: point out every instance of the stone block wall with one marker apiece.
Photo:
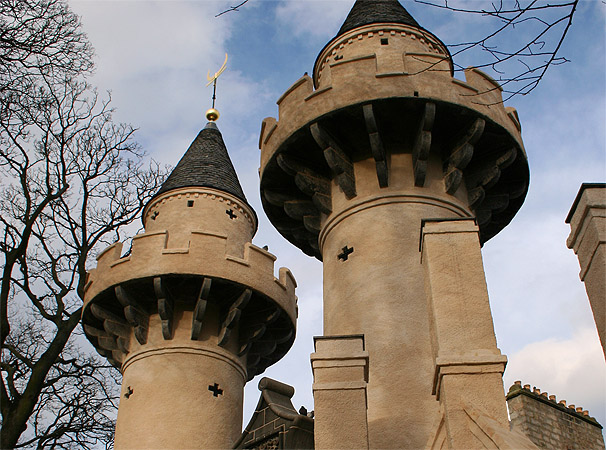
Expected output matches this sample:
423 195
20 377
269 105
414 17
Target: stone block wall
551 424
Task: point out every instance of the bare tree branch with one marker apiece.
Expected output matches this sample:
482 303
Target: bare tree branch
71 180
232 8
524 43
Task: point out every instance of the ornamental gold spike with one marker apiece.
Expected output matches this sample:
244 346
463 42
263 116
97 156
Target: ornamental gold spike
212 114
213 79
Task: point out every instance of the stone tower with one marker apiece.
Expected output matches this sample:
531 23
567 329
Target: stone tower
193 311
394 173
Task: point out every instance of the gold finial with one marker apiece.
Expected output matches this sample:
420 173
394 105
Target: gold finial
212 114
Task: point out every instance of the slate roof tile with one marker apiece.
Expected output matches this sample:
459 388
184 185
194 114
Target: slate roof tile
365 12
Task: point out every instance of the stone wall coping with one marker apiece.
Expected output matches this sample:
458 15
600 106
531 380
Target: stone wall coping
275 396
577 199
341 336
433 43
466 364
469 228
205 255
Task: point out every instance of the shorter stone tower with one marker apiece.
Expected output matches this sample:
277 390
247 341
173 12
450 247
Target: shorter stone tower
193 311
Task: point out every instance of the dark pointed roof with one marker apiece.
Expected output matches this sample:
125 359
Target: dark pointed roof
205 164
365 12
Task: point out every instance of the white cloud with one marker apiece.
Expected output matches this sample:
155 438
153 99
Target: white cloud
133 38
573 369
318 18
154 57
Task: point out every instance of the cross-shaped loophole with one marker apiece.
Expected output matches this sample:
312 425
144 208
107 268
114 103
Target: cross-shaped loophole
215 390
128 392
154 215
230 213
346 251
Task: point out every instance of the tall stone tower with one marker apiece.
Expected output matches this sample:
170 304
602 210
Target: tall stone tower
394 173
193 311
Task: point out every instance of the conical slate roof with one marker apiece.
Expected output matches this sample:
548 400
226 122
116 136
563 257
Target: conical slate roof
205 164
365 12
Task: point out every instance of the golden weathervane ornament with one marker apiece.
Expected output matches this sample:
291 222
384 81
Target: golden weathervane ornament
212 114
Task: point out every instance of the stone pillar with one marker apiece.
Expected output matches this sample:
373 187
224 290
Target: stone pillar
340 369
587 219
468 364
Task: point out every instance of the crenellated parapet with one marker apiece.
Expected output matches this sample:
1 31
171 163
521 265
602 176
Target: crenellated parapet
407 40
550 423
255 311
535 393
392 89
301 104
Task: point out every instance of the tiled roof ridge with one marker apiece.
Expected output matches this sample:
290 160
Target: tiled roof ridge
578 411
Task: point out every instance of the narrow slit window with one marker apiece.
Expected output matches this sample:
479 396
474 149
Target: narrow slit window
384 41
190 203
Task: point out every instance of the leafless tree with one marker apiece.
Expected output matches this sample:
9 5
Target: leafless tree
71 181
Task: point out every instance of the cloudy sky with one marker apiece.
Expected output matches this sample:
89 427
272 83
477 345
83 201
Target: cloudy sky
154 57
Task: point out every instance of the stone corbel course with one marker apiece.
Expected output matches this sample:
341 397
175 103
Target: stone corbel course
122 292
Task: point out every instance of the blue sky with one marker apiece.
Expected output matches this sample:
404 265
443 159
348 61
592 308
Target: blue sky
154 57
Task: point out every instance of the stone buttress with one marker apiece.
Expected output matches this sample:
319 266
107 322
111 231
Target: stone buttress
193 311
394 173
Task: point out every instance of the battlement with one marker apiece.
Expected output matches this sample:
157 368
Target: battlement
204 255
550 423
394 100
369 77
578 411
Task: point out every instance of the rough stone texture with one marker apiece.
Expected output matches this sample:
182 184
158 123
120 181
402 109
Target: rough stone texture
550 424
378 291
587 219
171 406
468 364
340 368
206 163
275 424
